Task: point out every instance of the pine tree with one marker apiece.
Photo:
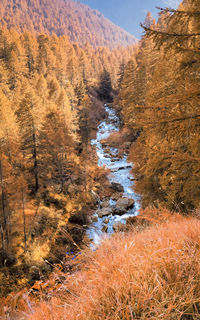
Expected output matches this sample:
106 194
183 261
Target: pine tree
159 96
169 145
105 86
55 146
29 117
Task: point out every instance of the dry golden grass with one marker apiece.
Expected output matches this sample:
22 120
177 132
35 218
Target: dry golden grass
153 274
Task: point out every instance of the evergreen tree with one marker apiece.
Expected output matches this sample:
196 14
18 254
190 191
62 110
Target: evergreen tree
105 86
162 99
28 117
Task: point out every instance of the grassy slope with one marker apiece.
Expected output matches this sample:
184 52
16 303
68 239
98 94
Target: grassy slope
152 273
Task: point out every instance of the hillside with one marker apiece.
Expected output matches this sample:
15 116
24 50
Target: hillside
49 109
63 17
160 96
147 273
100 170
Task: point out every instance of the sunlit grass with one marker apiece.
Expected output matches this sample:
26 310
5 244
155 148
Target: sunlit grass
152 274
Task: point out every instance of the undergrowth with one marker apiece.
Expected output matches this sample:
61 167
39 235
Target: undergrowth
147 273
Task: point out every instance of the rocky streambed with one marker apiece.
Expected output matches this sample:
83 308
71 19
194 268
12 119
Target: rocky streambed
112 212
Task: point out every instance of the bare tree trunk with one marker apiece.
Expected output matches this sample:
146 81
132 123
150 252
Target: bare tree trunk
24 219
2 237
4 225
35 161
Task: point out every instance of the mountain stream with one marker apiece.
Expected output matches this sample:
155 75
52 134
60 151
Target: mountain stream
120 173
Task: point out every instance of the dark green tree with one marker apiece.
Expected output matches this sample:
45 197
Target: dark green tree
105 86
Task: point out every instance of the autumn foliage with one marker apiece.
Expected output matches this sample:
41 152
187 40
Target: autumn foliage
149 273
50 106
77 21
159 99
49 109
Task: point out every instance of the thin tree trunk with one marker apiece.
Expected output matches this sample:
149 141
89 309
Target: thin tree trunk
24 219
35 161
62 169
3 205
2 237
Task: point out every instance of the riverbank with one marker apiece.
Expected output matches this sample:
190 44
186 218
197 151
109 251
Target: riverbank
151 270
54 219
122 202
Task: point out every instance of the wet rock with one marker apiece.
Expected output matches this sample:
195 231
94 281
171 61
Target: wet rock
104 204
119 227
112 156
117 187
94 218
104 212
106 221
116 196
120 211
105 229
107 150
104 143
114 169
127 203
125 167
123 205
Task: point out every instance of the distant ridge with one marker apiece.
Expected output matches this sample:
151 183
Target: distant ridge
63 17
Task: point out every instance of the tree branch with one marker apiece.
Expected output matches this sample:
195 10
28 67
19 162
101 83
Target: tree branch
189 13
164 33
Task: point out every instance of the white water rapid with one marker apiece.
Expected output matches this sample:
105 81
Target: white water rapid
120 173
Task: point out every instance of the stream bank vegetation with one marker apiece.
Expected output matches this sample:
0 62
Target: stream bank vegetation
150 272
49 88
159 96
50 108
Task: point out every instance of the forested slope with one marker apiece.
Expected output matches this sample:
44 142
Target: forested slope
63 17
49 104
160 99
49 107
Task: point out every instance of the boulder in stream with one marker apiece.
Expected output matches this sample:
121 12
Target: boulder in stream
104 204
125 167
117 187
106 221
104 212
123 205
105 228
128 203
94 218
104 143
116 196
107 150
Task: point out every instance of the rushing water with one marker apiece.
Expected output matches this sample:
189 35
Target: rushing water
120 172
